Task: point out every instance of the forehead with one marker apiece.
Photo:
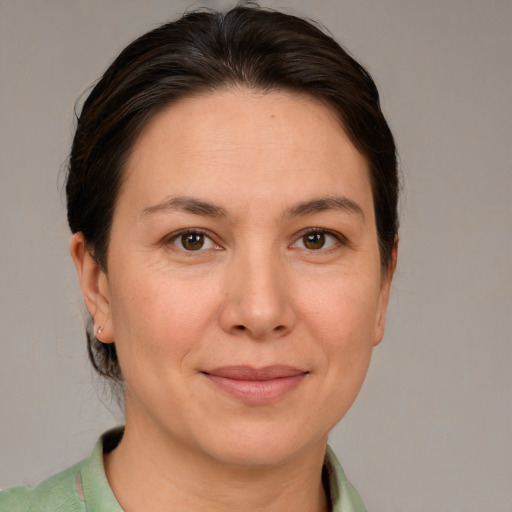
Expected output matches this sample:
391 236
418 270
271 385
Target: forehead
246 143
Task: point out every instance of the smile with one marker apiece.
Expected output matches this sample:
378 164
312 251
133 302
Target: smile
256 386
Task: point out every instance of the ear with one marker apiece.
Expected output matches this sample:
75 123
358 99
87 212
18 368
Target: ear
94 285
385 290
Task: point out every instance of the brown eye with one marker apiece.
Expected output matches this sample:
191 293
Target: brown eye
192 241
314 241
319 240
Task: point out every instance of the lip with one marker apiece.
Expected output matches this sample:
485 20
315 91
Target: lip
256 385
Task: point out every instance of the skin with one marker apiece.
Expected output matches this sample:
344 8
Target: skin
257 293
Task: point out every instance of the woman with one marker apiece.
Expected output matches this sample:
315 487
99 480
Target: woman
232 194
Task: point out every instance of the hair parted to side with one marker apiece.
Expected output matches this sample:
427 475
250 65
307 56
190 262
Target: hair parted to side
204 51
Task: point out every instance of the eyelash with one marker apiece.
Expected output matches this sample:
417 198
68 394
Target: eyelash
339 239
187 232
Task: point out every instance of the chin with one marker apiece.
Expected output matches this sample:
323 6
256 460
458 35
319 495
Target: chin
263 447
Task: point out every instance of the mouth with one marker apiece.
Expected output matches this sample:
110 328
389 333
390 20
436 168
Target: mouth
256 385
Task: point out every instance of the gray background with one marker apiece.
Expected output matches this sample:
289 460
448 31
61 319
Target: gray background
431 429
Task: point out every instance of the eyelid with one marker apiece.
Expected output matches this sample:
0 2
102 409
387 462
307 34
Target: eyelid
169 239
339 237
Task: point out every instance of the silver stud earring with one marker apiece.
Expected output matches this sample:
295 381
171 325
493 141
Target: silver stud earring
100 329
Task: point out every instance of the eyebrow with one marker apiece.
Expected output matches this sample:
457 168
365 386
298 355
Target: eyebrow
186 205
321 204
207 209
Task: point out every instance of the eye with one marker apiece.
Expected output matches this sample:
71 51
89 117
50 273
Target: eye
316 240
192 240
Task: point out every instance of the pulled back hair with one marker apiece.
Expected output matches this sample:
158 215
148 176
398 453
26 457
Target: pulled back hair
202 52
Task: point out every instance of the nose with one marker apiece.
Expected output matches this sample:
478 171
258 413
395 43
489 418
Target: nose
257 302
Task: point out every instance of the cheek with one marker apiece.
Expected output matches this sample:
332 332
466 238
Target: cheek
159 321
342 319
343 308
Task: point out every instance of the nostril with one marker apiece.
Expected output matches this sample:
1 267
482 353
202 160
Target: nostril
240 327
279 328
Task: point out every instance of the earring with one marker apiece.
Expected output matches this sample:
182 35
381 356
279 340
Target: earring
100 329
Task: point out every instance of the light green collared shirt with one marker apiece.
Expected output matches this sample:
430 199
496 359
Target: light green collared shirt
84 487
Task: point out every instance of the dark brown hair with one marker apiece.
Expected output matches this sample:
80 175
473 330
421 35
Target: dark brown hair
205 51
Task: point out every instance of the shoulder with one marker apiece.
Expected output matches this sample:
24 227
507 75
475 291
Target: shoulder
60 493
80 488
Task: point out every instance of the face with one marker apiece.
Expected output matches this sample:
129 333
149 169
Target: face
244 289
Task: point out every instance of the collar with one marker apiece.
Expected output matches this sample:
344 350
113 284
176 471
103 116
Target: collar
93 488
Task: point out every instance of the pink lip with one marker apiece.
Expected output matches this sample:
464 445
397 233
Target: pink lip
256 385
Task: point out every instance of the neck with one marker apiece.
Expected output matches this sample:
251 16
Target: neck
147 469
